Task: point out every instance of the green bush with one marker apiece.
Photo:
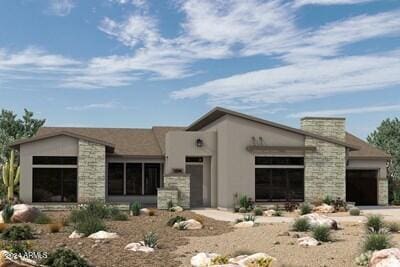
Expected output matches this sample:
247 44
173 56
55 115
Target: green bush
377 241
339 204
277 213
355 211
249 217
258 211
42 219
120 217
321 233
64 258
150 240
88 224
15 246
17 232
305 208
98 209
220 260
393 227
170 204
374 223
301 225
175 219
246 202
135 208
8 212
327 200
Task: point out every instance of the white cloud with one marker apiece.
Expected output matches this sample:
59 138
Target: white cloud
106 105
302 81
329 2
61 7
346 111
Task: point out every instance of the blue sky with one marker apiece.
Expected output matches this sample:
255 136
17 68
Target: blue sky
138 63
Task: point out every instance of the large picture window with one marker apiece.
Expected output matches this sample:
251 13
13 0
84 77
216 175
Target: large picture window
134 178
54 185
115 178
151 178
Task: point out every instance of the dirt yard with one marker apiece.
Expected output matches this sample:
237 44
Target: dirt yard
112 253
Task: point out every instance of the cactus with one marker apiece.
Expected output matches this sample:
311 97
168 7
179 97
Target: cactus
11 175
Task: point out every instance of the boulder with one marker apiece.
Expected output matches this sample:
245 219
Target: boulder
176 209
308 242
202 259
103 235
244 224
24 213
316 219
324 208
139 247
75 234
145 211
269 213
252 259
190 224
385 258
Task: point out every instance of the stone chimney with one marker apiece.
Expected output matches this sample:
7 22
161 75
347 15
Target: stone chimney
325 126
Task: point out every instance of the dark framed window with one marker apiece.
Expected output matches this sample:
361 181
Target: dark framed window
279 161
54 184
133 178
194 159
115 178
276 184
152 175
50 160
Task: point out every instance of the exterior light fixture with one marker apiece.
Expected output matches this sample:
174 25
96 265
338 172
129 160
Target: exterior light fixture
199 143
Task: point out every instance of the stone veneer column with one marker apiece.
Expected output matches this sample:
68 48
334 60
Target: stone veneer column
91 172
324 168
180 182
383 191
164 196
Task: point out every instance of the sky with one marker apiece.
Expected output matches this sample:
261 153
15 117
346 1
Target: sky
140 63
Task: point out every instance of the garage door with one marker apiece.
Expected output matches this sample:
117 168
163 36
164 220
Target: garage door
362 187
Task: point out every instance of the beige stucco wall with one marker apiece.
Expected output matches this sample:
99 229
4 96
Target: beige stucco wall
54 146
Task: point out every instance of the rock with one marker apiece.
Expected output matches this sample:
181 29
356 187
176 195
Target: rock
284 234
145 211
277 243
308 241
316 219
244 224
176 209
103 235
139 247
24 213
75 234
269 213
252 259
202 259
385 258
296 235
190 224
324 208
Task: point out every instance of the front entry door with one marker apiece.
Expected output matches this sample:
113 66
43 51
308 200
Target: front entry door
361 187
196 184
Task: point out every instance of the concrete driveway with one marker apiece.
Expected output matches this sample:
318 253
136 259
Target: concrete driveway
389 213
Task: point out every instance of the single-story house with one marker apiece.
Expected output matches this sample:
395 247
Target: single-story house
222 154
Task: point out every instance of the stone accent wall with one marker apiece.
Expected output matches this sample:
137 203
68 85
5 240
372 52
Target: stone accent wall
164 195
91 172
180 182
325 168
383 191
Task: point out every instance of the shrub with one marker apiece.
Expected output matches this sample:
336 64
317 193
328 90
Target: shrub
246 202
249 217
327 200
150 240
301 225
74 216
88 224
3 227
277 213
290 206
219 260
321 233
15 246
64 258
170 204
134 208
54 227
305 208
175 219
258 211
242 210
262 262
377 241
97 209
339 204
17 232
355 211
120 217
393 227
396 197
364 258
152 212
43 219
8 212
374 223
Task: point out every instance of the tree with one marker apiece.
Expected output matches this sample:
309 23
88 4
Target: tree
387 138
12 128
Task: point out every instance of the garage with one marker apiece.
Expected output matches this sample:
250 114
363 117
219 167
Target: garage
362 187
